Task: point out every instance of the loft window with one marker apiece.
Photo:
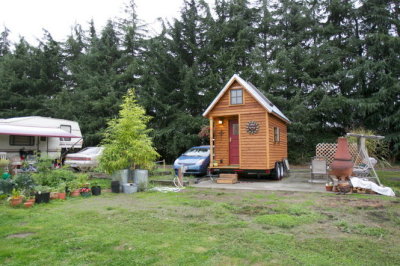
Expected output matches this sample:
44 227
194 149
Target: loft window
237 96
22 140
277 134
66 128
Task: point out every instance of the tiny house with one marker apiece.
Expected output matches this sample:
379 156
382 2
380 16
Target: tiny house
248 133
35 134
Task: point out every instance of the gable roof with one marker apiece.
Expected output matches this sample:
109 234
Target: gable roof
258 95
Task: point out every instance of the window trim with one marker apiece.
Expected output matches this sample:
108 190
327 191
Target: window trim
30 139
236 97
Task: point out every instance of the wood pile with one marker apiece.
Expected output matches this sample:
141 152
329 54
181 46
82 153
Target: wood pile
363 190
227 179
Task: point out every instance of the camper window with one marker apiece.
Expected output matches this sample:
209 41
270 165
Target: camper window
22 140
68 129
277 134
237 96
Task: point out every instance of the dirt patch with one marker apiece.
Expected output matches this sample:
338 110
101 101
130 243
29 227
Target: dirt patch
252 210
124 247
397 179
20 235
379 216
359 204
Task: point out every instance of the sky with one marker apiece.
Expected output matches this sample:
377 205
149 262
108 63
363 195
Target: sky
28 18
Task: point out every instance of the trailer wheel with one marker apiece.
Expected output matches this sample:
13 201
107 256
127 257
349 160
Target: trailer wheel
277 171
283 173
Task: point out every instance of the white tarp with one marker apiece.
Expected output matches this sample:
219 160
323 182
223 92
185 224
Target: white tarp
364 183
34 131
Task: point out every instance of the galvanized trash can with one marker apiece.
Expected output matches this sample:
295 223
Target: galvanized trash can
141 179
130 188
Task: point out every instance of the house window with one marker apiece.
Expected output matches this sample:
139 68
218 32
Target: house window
22 140
237 96
66 128
277 134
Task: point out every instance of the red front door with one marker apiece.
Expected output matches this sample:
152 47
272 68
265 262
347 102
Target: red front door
233 142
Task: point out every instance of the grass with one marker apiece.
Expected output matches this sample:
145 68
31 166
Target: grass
390 178
204 227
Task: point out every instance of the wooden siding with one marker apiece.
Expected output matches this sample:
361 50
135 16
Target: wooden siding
223 107
253 152
277 150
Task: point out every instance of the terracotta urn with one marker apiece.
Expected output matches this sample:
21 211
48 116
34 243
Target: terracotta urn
342 165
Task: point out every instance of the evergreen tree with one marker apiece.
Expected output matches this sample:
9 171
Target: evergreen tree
127 142
4 42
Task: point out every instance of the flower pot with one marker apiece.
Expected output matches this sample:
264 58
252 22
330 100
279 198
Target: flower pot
115 187
28 204
329 188
75 193
96 190
86 194
42 197
16 201
31 200
62 195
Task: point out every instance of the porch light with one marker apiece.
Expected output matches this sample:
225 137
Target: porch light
220 121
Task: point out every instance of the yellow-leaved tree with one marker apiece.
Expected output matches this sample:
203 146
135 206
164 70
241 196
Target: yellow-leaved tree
126 140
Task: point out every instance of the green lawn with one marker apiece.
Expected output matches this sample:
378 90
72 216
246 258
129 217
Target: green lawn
390 178
204 227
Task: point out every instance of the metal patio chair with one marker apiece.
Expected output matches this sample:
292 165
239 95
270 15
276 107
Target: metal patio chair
319 166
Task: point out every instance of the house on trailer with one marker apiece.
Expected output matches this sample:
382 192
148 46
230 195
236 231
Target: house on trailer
248 133
24 136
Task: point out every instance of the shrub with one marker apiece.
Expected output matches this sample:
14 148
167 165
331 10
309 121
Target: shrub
6 186
24 181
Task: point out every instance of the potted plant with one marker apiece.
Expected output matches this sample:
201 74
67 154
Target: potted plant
85 192
61 191
96 189
54 193
16 197
42 194
29 195
30 201
74 188
329 186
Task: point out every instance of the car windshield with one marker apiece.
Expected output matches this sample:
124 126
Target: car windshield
90 150
198 152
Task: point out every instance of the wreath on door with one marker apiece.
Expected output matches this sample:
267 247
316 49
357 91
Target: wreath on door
252 127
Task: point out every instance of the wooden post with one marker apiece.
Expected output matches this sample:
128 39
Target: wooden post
211 142
180 176
164 164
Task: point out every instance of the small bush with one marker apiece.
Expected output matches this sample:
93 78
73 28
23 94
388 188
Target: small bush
24 181
6 186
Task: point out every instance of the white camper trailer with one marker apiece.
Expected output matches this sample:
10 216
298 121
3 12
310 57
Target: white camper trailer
36 134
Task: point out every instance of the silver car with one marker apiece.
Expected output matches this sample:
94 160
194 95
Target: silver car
85 159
